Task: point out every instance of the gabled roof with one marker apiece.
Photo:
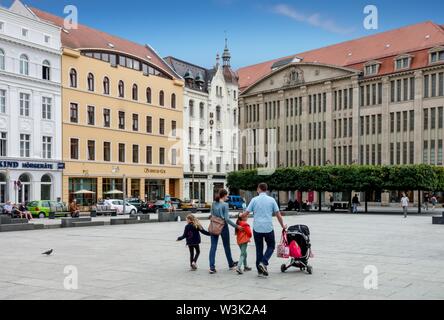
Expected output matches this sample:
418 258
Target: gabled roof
354 53
88 38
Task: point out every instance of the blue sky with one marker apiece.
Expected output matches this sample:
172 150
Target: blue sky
258 30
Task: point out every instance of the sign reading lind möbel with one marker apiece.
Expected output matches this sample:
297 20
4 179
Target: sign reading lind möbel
31 165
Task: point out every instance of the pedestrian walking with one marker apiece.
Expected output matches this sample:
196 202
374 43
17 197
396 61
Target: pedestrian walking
434 201
220 219
426 201
405 204
263 207
355 203
243 238
192 234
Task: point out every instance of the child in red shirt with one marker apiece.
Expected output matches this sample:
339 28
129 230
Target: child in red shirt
243 238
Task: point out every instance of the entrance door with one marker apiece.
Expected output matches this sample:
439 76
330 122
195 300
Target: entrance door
172 188
24 189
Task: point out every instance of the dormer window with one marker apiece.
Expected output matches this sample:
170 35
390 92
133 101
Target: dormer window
47 39
403 62
24 32
436 55
2 26
372 68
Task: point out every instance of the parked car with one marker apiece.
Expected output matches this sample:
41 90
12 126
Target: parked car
195 204
148 207
136 202
42 208
176 202
236 202
116 204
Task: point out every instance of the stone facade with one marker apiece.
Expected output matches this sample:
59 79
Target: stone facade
310 113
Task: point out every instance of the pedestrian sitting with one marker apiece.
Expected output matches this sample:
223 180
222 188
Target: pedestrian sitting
24 212
74 209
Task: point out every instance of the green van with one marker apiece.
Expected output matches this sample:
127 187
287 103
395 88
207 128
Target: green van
42 208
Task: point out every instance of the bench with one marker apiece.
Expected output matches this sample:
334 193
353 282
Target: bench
340 206
8 224
69 222
438 220
78 224
133 219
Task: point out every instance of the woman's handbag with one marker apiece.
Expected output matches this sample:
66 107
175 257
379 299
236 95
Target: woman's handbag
216 225
283 250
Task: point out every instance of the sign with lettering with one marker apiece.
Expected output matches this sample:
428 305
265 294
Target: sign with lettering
30 165
155 171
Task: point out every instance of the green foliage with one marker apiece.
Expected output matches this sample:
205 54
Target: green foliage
343 178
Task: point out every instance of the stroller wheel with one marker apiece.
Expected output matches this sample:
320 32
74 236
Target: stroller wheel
283 268
310 270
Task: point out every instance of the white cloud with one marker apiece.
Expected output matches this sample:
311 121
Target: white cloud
314 19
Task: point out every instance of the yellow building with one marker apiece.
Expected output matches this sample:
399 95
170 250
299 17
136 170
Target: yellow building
122 108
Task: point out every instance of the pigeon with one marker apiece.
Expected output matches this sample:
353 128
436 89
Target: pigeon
49 252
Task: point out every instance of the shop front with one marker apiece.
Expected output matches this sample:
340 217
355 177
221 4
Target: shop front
90 183
25 181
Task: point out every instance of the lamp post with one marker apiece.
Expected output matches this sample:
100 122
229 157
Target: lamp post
8 180
116 170
192 168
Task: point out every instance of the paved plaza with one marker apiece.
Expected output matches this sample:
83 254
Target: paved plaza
145 262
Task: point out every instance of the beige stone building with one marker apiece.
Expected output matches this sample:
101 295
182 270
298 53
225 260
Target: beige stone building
122 111
375 100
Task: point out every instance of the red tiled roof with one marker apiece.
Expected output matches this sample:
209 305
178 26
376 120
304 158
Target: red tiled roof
355 53
88 38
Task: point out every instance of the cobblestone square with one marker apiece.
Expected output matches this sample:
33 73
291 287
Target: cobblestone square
145 262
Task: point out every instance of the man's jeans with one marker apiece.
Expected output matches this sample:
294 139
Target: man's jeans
262 257
226 242
355 208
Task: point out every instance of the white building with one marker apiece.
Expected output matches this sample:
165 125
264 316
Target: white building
210 130
30 107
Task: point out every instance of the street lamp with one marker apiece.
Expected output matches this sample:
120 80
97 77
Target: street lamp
116 170
192 168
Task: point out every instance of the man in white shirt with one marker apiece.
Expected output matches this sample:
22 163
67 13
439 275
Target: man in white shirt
8 207
405 204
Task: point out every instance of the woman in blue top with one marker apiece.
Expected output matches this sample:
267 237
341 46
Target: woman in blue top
220 209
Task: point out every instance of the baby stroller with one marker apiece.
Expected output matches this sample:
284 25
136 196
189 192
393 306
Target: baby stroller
300 234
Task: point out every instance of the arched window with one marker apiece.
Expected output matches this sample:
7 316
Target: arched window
24 65
73 78
46 70
90 82
121 89
202 110
24 190
2 59
161 98
2 188
148 95
106 85
191 105
218 113
135 92
173 101
46 187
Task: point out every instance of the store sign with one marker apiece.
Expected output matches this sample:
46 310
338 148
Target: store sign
155 171
27 165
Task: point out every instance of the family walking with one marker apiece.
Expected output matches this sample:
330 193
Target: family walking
263 207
